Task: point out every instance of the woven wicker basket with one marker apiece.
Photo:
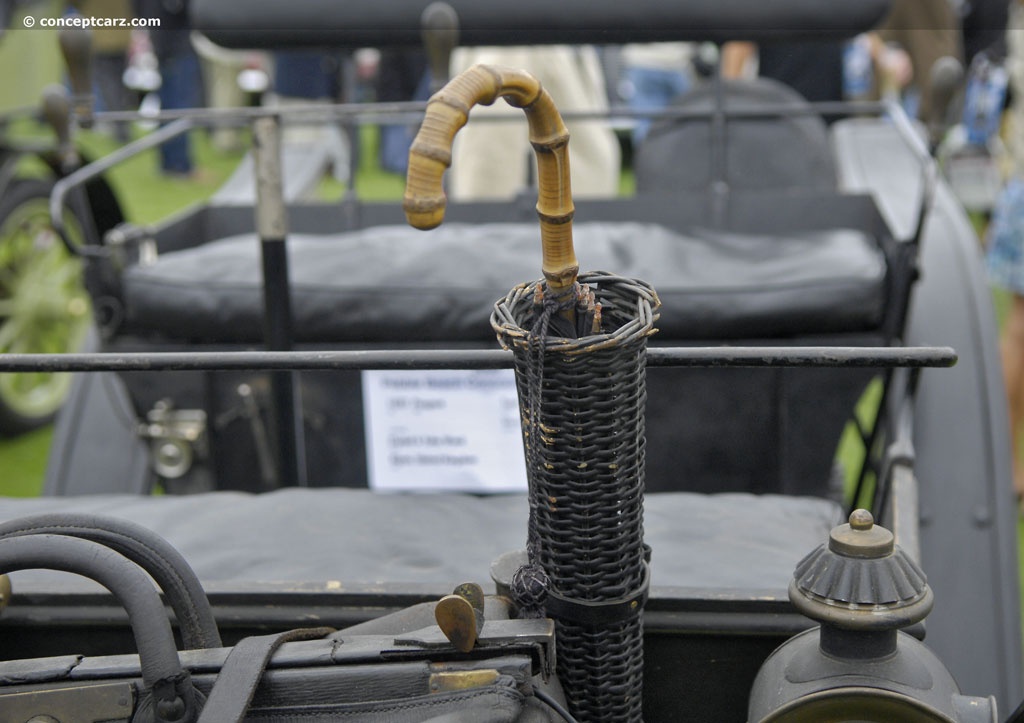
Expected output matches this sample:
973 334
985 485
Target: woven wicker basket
582 403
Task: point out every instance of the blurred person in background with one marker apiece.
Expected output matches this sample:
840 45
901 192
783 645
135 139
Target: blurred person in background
812 69
232 79
926 30
181 82
312 77
494 160
402 75
984 24
1005 247
653 76
110 59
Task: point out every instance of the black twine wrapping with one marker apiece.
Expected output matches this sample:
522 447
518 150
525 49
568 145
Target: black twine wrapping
529 584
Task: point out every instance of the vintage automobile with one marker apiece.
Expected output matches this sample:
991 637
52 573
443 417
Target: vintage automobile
343 458
43 303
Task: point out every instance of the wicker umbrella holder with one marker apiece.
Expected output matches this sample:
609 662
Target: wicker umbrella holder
579 344
582 403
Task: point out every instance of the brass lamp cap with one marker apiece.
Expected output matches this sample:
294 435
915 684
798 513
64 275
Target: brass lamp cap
861 579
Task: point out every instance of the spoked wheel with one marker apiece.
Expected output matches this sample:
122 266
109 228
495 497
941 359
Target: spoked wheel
44 307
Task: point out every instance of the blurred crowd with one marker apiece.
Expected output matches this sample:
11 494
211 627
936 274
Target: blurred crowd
172 67
1004 239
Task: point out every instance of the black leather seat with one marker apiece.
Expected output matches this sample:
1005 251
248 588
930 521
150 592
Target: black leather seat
396 284
235 540
772 141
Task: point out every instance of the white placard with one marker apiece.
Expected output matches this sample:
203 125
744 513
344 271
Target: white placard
430 430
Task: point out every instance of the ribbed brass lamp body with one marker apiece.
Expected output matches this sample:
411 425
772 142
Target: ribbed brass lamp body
858 665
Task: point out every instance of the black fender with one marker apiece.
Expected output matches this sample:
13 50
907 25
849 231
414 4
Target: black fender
103 203
968 524
968 510
104 207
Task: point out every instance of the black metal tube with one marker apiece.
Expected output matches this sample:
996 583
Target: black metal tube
404 112
158 655
718 128
716 356
899 452
272 227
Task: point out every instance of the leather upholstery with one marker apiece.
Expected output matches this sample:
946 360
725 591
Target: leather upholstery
396 284
357 536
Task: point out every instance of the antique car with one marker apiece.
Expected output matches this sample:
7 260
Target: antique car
44 306
359 504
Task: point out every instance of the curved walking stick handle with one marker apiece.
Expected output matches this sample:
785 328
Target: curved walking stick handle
431 153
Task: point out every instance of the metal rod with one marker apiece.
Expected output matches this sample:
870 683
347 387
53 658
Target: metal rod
272 227
718 128
404 112
929 167
63 186
717 356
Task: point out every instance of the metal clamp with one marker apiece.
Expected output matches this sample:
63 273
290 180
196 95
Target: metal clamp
177 437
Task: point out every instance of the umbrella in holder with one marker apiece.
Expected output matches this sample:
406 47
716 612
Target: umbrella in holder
579 344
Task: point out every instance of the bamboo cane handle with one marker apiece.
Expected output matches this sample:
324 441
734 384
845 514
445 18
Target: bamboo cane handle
431 153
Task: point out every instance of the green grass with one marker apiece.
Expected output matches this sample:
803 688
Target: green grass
24 463
149 196
850 451
32 57
145 193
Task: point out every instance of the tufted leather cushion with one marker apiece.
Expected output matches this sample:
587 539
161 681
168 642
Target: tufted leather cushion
395 284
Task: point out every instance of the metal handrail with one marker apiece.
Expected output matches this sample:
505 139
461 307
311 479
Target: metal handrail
929 166
65 185
712 356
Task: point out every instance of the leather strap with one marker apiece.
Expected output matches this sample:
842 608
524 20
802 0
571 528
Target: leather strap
599 612
241 673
